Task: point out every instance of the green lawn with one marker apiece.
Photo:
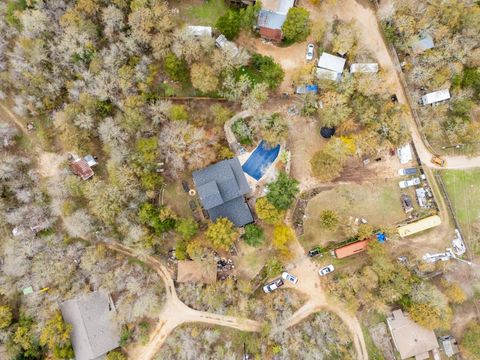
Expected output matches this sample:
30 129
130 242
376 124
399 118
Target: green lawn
206 13
463 187
379 203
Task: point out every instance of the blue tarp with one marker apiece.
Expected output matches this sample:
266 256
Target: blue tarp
307 89
381 237
260 160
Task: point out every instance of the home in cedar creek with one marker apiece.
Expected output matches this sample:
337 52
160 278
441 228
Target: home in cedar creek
94 329
221 188
271 18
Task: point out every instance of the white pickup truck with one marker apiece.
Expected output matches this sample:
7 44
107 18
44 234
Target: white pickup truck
408 183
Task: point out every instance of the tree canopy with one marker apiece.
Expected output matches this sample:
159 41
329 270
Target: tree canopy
282 192
297 25
221 234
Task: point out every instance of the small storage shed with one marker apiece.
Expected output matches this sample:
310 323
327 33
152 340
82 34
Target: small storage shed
436 97
364 68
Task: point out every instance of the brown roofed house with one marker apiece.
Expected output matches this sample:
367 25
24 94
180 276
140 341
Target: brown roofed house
351 249
204 272
81 168
411 339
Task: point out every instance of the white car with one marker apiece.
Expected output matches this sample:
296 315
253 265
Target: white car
287 276
326 270
310 52
408 183
274 285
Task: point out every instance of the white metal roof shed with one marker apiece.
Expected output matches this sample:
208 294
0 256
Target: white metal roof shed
364 68
199 30
436 96
405 154
331 62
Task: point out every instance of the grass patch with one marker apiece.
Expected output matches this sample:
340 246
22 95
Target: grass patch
373 352
463 187
379 203
207 13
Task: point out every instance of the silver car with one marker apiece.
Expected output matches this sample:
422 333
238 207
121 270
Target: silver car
287 276
310 52
326 270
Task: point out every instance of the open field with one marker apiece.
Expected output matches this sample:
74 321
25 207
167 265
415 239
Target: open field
205 13
463 188
378 203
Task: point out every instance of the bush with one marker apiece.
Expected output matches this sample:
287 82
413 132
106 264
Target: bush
229 24
282 192
178 113
329 220
297 25
273 267
254 235
186 228
242 132
221 234
176 68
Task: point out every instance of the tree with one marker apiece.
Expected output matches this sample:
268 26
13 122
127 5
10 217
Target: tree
428 316
454 292
178 113
176 68
221 234
253 235
56 336
471 340
267 212
273 267
187 228
23 340
229 24
327 164
364 231
297 25
256 97
282 192
345 38
203 77
329 220
6 316
282 235
267 70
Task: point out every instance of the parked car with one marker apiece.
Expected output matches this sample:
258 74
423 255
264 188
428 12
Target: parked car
274 285
287 276
315 251
408 183
326 270
407 203
310 52
407 171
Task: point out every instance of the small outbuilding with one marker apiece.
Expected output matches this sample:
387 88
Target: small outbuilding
199 30
450 345
410 339
436 97
204 272
364 68
330 67
351 249
227 46
425 42
404 154
271 18
95 331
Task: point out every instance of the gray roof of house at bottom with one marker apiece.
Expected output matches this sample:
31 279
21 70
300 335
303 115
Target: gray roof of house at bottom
94 330
221 188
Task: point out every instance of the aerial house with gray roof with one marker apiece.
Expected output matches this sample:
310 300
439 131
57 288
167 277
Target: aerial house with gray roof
221 188
95 331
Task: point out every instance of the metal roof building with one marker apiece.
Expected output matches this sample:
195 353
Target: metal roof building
199 30
351 249
425 43
411 339
364 68
272 16
330 67
221 188
435 97
81 168
420 225
94 330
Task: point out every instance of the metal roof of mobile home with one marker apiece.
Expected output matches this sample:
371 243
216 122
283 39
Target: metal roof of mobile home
364 68
436 96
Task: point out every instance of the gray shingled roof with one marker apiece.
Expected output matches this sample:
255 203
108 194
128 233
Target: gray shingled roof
221 187
94 329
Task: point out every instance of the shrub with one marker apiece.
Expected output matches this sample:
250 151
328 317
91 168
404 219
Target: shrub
297 25
282 192
229 24
267 212
254 235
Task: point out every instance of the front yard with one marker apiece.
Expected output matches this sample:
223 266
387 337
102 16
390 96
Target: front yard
378 203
